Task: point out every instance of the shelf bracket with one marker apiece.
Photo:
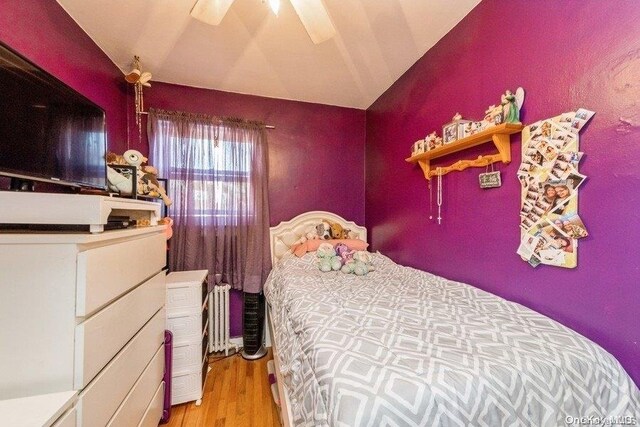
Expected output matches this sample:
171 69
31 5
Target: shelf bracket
503 144
426 167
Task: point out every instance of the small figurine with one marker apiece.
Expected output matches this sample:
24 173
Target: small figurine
511 105
430 141
493 115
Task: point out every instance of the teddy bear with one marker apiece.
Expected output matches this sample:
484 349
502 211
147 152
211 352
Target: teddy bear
327 258
355 267
336 230
360 265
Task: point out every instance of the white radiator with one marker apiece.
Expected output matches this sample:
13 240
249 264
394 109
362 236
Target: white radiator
219 339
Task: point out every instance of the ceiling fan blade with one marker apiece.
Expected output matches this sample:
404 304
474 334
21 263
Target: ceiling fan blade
315 19
211 11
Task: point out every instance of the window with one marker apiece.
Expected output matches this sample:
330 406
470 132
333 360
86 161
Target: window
214 177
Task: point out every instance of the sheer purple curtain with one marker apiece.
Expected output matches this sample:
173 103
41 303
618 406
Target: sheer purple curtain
217 171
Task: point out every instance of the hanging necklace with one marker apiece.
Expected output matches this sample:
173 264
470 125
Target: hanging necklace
439 196
430 201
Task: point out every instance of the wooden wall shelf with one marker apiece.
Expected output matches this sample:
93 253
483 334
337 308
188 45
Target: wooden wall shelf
499 135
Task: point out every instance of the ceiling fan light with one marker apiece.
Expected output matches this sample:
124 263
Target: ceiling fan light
211 11
275 6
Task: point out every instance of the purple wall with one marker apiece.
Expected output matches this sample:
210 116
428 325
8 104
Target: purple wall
316 152
566 55
44 33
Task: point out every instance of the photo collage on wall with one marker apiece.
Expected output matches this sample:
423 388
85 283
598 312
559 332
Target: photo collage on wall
549 221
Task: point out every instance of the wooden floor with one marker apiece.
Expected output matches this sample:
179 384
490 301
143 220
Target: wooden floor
237 393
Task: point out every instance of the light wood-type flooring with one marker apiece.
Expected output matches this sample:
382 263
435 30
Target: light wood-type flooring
237 393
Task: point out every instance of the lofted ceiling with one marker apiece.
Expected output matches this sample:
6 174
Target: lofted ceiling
255 52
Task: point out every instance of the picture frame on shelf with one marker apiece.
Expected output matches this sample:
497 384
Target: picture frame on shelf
462 125
450 132
418 147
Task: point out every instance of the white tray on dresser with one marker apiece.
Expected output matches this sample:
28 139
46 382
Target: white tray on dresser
72 209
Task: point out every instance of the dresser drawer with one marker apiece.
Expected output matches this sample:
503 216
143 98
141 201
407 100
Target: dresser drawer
104 273
187 358
100 337
184 299
132 409
186 387
101 398
186 329
152 415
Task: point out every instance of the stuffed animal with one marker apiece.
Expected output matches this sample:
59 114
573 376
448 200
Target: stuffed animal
118 182
325 250
147 180
344 253
360 268
323 230
324 264
336 263
151 185
363 256
115 159
355 267
336 231
347 268
326 257
360 264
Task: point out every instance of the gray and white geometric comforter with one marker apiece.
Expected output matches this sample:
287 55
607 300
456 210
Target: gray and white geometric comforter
401 347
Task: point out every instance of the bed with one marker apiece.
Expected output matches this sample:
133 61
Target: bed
402 347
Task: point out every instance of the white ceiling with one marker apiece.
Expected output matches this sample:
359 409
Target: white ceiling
255 52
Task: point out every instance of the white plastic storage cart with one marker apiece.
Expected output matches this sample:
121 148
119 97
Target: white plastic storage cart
187 319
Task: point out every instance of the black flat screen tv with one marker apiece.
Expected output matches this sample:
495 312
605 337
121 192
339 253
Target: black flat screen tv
48 131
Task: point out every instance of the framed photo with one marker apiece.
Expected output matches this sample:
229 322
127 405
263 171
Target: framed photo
450 132
465 128
418 147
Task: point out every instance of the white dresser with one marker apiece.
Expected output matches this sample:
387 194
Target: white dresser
85 312
187 319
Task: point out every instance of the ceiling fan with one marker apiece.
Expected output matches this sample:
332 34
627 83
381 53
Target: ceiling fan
312 13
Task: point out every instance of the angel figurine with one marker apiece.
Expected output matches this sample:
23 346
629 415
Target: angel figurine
511 104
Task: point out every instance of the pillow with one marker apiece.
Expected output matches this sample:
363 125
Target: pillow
312 245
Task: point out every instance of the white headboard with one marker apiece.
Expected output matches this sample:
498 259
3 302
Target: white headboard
285 234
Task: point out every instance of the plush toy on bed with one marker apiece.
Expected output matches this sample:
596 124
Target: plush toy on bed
327 258
360 265
343 259
344 253
338 232
323 230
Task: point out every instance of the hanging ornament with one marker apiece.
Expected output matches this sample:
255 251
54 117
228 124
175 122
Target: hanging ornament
430 201
490 179
439 195
139 80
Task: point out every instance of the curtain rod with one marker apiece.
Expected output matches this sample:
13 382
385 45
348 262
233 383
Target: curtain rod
266 126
